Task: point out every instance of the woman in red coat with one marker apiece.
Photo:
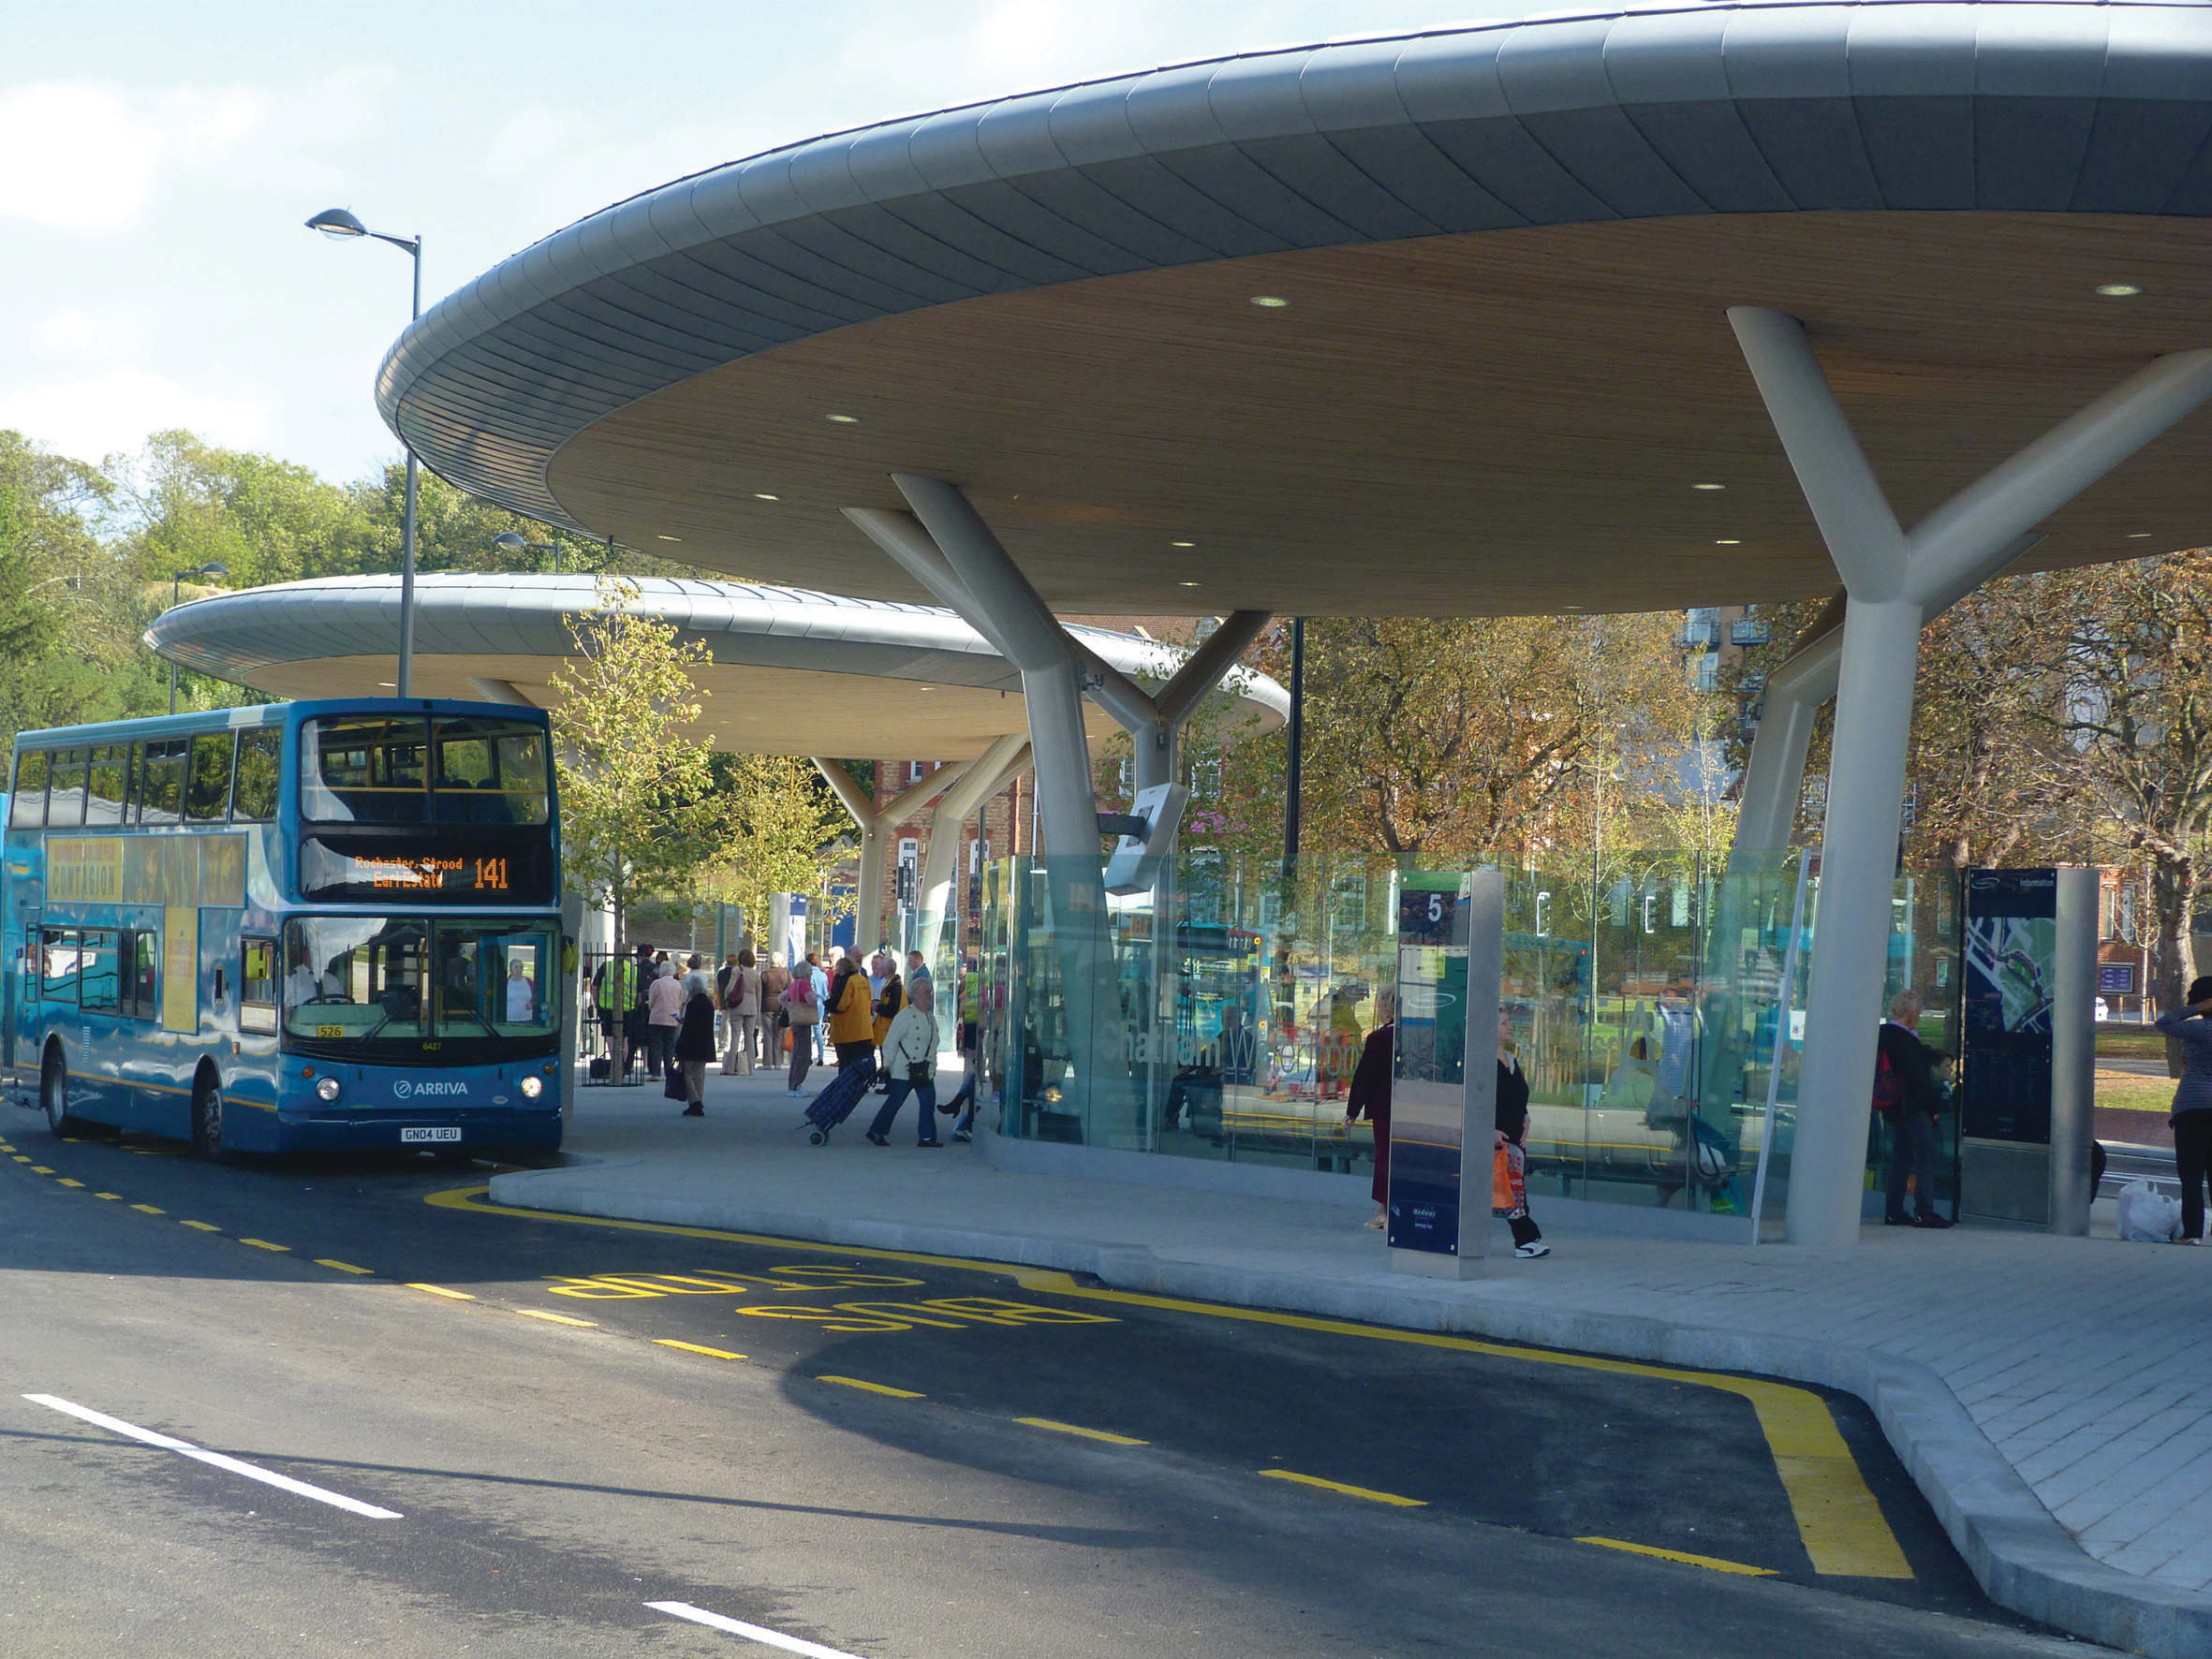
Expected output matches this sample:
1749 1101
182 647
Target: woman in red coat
1370 1094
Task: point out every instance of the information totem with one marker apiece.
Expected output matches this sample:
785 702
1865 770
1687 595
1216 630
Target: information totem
1450 954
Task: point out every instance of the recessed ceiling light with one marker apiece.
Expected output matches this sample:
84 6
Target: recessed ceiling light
1729 541
1182 544
1186 584
668 538
845 420
2119 290
1709 486
386 685
925 688
763 496
1269 302
2138 536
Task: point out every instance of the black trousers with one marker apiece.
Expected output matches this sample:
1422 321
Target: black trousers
2192 1162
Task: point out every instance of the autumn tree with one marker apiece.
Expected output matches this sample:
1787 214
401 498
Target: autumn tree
640 812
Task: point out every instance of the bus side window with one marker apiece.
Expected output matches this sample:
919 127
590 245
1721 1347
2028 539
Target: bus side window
111 782
27 809
257 985
57 974
259 757
142 969
98 978
207 796
64 796
161 781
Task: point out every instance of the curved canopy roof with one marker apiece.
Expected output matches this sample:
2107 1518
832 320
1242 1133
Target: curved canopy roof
1503 364
793 672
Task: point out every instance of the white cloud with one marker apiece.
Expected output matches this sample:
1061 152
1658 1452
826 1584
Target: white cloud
79 336
1020 33
96 417
77 157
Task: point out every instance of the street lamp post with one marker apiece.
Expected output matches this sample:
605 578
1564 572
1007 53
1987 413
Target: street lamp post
339 224
176 588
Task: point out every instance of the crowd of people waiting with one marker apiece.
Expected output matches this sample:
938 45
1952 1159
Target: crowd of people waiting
867 1014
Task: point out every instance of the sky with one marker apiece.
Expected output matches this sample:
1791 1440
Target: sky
160 161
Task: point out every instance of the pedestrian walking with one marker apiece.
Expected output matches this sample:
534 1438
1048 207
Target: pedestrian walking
2191 1027
664 1013
741 999
917 971
850 1016
802 1012
1513 1138
1370 1094
911 1058
820 977
694 1044
1908 1100
891 997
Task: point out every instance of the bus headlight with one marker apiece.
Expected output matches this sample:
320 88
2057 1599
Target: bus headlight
532 1088
327 1088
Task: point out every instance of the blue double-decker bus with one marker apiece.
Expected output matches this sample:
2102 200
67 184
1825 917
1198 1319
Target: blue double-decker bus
315 925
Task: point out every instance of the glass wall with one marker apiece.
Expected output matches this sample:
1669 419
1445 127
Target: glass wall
1645 1004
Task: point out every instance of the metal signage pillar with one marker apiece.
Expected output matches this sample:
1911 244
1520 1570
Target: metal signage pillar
1444 1093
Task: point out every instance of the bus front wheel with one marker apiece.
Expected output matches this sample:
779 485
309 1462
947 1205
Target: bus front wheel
54 1095
207 1122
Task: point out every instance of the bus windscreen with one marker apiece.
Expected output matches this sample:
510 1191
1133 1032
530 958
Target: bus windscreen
378 987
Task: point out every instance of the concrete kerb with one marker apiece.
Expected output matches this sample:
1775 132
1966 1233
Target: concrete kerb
2024 1560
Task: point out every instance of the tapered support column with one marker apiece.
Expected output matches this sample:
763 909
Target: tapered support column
868 904
980 779
1894 581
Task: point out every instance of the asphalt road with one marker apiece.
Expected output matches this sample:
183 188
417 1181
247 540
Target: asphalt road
882 1454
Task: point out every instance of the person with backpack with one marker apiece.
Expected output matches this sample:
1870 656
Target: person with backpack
2192 1121
1905 1094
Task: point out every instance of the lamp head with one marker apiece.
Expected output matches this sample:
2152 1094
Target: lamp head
506 541
337 222
212 570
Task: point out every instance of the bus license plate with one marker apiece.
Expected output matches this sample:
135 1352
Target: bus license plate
406 1135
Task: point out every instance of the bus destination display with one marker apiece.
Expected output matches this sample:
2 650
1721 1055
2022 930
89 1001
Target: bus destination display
466 867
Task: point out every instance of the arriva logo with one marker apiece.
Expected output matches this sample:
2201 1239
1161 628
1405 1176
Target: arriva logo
402 1088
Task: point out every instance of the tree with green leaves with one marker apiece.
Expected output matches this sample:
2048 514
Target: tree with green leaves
784 833
640 811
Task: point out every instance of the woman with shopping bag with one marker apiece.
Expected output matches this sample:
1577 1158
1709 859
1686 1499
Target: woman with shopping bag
1509 1181
803 1011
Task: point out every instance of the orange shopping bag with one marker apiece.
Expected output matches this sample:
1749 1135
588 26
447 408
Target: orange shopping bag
1509 1181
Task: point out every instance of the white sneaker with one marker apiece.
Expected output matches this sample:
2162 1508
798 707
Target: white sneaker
1531 1251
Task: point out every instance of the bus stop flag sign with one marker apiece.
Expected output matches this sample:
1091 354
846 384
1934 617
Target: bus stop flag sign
1451 949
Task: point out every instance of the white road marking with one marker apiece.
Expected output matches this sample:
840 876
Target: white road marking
186 1449
774 1639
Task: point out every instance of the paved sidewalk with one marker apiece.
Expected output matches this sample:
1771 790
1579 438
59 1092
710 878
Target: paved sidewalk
2050 1396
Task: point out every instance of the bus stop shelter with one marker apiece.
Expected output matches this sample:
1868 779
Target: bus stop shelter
1632 310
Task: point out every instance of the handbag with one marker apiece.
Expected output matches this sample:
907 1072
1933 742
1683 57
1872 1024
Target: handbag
918 1073
801 1013
673 1088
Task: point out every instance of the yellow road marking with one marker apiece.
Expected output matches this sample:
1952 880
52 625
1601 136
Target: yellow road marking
873 1387
459 1296
1711 1563
1838 1520
1077 1429
21 1158
66 1182
41 1169
556 1319
149 1210
1349 1491
205 1226
670 1341
264 1244
344 1267
107 1195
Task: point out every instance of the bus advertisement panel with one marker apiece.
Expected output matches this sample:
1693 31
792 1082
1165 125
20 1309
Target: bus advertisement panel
328 925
